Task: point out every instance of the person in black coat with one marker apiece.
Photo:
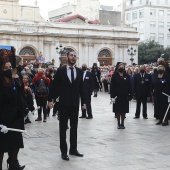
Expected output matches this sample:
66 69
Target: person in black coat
142 89
161 84
11 116
96 77
68 86
120 89
162 62
50 74
88 90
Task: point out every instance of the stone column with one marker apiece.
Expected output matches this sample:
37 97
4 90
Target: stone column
120 55
50 51
45 51
123 13
85 54
122 52
91 54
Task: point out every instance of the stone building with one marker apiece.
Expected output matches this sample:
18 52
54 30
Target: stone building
30 34
151 18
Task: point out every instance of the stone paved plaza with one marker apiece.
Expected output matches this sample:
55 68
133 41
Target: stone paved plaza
141 146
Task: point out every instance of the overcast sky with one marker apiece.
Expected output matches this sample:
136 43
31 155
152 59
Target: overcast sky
48 5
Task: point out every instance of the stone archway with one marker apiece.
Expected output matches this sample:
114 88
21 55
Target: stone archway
28 54
105 57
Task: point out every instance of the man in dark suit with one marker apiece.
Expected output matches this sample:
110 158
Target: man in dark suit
68 86
142 88
88 90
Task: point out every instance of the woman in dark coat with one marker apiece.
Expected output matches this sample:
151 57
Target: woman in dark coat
11 116
96 77
161 83
120 88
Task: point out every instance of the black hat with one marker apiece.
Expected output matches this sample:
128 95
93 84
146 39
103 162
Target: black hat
117 65
7 54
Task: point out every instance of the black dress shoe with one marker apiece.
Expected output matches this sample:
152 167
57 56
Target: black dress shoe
82 117
17 165
27 121
89 117
165 124
65 157
122 126
159 123
136 117
76 153
145 117
119 127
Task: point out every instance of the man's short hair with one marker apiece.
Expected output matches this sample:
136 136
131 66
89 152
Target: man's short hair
69 51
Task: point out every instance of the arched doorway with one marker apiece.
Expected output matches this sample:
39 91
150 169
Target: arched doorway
105 57
63 58
28 54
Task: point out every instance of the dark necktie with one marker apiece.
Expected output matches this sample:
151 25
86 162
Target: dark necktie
72 75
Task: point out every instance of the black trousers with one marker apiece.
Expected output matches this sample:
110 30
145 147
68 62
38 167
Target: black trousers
88 106
65 114
140 100
105 83
42 102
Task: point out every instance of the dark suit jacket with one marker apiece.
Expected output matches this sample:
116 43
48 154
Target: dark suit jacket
142 90
88 83
62 87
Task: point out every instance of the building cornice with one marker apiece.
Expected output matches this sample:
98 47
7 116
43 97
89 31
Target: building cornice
68 26
68 31
68 35
147 6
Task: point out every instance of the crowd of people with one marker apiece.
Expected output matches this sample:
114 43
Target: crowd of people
61 88
148 82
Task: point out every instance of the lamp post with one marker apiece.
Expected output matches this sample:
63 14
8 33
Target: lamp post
60 50
131 52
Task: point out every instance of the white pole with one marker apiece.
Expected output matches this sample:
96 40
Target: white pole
165 94
166 113
16 130
167 108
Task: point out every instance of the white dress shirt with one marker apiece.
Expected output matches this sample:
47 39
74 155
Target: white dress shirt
69 73
84 74
142 75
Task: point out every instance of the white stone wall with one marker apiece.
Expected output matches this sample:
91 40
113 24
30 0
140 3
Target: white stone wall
11 10
87 8
87 40
147 31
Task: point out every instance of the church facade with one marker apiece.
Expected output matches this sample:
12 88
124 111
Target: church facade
24 28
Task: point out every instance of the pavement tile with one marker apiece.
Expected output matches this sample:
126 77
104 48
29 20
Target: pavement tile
141 146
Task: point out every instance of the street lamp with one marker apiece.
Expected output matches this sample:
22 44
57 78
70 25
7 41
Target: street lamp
131 52
61 50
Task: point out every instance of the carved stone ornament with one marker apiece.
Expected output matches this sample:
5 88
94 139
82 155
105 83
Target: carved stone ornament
5 11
